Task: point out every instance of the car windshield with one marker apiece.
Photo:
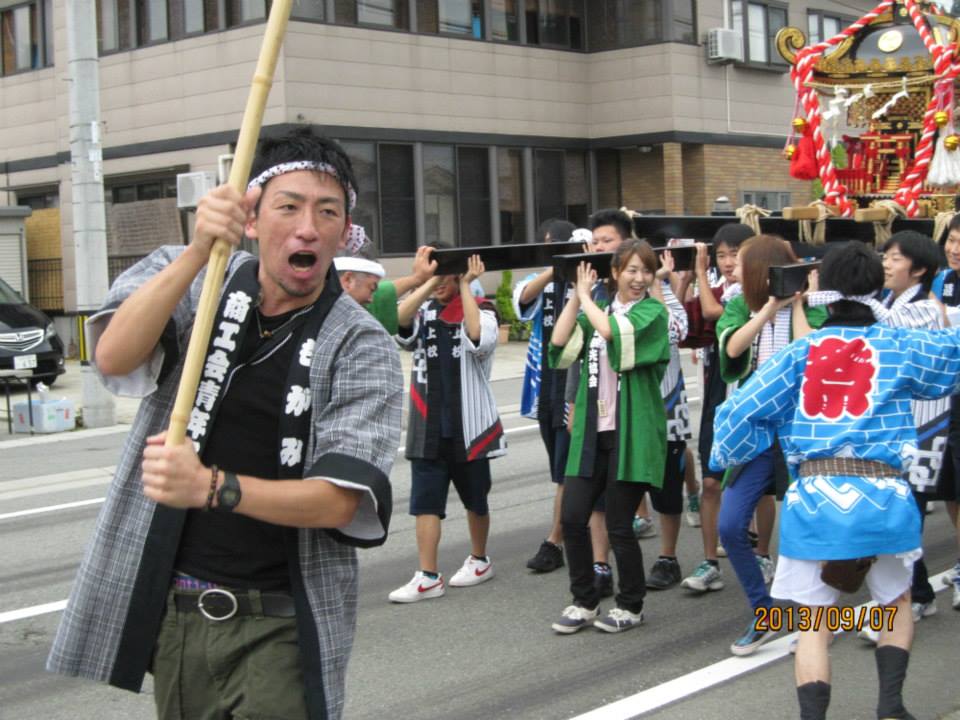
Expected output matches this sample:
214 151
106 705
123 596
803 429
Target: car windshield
9 296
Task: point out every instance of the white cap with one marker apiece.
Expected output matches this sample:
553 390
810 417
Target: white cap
358 264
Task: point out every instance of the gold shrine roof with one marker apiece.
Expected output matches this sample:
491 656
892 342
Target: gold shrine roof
888 46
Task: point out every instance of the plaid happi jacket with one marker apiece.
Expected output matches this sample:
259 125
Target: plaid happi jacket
111 621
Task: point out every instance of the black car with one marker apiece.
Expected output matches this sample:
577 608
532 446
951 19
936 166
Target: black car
28 340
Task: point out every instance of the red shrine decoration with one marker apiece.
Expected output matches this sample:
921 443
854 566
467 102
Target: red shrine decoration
890 75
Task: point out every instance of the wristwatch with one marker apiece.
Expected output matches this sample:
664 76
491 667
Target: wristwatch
228 496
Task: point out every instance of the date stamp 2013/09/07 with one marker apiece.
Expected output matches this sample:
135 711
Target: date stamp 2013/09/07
832 618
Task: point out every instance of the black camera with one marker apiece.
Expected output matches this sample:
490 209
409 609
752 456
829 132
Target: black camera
787 280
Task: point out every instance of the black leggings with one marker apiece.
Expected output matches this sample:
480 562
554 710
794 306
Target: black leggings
622 498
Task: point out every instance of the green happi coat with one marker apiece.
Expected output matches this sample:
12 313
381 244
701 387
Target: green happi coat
736 314
639 352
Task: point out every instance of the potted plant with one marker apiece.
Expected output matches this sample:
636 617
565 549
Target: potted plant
504 303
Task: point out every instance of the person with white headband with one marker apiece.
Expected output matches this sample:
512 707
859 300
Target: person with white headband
225 566
839 400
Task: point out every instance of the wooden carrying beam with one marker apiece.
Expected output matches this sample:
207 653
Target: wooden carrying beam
565 266
659 228
502 257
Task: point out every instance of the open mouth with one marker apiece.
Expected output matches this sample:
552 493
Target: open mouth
303 260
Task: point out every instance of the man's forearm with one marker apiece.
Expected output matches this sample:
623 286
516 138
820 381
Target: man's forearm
135 328
408 307
313 503
471 313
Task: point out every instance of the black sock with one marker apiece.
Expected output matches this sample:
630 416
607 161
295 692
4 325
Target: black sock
715 563
481 558
814 698
671 558
891 672
431 575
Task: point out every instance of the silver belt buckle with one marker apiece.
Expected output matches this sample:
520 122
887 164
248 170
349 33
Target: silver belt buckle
213 592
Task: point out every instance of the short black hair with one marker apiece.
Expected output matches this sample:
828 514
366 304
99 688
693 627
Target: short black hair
611 216
303 143
954 225
732 235
922 252
558 230
851 268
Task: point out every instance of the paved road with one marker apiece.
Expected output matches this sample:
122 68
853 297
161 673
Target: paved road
482 652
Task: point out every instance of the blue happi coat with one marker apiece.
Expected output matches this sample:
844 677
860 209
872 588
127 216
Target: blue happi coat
841 391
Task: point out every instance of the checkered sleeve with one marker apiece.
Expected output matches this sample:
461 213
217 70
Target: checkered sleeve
357 426
746 424
678 323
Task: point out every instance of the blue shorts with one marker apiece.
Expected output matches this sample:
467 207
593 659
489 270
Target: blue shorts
431 483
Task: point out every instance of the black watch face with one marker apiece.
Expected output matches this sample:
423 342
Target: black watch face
229 497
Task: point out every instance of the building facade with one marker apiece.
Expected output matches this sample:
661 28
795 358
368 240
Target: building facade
468 121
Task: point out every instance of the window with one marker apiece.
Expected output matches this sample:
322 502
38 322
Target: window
577 187
246 11
363 157
397 207
823 26
510 186
758 24
767 199
473 195
386 13
133 191
439 195
26 41
38 199
504 22
549 172
451 17
115 24
555 23
617 23
309 10
151 21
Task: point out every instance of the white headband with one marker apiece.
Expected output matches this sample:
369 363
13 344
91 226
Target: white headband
828 297
286 167
357 264
582 235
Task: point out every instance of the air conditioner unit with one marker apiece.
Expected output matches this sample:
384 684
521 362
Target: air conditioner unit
192 186
724 46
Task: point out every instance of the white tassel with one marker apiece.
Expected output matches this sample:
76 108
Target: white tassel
945 166
888 106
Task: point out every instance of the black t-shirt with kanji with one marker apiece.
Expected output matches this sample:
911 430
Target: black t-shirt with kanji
229 548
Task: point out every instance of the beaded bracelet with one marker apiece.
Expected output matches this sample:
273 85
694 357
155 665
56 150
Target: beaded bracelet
214 476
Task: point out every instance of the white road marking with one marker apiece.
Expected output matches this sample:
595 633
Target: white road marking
50 508
64 437
29 612
699 680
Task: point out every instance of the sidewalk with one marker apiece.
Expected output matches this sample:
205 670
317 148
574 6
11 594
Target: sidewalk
508 363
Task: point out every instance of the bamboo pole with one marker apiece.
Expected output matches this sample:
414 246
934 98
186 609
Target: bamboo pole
217 264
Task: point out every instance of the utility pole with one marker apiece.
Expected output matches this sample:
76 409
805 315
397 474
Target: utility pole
86 176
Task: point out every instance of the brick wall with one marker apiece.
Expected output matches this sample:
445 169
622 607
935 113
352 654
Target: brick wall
641 177
136 228
729 170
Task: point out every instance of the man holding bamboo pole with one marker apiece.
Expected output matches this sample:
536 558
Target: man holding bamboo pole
225 565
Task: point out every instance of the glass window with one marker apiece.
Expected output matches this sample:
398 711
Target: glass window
549 173
124 194
577 187
397 207
772 200
244 11
510 186
439 195
758 27
504 22
48 32
363 158
151 21
345 11
309 10
389 13
554 28
460 17
24 36
684 21
821 26
193 17
473 195
616 24
609 192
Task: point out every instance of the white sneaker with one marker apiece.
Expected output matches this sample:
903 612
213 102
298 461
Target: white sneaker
952 575
768 567
574 618
692 515
956 594
473 572
721 551
419 588
618 620
922 610
869 634
705 578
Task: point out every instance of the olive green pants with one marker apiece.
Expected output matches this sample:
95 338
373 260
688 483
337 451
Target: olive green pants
244 668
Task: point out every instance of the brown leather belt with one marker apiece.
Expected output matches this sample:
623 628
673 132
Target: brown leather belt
218 604
847 466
